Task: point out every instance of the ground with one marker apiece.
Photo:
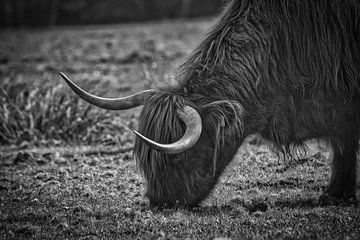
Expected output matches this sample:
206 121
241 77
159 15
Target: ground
68 172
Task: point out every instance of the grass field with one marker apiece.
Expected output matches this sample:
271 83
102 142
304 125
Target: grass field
67 170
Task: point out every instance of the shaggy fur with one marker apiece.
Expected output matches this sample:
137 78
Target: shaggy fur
288 70
186 178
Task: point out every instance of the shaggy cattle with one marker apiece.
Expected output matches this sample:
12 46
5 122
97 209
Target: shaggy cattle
286 70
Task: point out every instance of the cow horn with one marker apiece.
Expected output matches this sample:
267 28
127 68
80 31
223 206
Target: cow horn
192 120
110 103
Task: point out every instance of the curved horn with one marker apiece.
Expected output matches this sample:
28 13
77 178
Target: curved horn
192 134
110 103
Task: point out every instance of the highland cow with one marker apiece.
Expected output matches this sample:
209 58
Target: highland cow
287 70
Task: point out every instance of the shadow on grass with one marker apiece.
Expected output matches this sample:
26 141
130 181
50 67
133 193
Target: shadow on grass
240 206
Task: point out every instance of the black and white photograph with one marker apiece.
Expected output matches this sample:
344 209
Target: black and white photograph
180 119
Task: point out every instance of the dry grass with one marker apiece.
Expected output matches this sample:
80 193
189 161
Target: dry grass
35 114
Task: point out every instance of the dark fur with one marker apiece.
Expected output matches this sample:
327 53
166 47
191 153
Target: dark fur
288 70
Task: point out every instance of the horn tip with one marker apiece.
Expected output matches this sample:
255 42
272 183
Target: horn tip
65 78
141 136
62 74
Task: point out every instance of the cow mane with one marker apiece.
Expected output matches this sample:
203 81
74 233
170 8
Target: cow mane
263 47
159 121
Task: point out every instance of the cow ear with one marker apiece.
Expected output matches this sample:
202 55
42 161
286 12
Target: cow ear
221 115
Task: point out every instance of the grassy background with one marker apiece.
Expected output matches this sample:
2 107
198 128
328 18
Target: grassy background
32 13
66 169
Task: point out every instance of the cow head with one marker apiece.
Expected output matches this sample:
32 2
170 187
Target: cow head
184 142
